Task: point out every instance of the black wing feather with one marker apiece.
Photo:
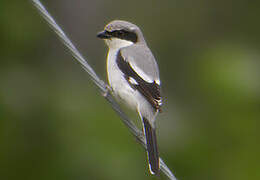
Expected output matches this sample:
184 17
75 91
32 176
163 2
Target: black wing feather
151 91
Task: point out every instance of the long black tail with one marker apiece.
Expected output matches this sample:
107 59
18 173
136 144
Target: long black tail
152 150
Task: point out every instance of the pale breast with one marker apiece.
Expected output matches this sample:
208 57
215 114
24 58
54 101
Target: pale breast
113 72
118 83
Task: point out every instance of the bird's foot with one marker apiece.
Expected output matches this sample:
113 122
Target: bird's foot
108 89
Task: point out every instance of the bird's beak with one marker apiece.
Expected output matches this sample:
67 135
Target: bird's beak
103 35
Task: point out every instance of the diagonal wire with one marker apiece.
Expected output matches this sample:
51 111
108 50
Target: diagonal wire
98 82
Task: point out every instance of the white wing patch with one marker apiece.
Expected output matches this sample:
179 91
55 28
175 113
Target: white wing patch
159 102
157 81
141 73
133 81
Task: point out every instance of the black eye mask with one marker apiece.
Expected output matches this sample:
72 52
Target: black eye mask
125 35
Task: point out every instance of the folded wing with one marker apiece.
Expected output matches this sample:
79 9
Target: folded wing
140 80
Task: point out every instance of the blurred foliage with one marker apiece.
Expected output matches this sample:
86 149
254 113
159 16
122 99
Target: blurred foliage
55 125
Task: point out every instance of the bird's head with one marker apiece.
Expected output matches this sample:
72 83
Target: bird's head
119 34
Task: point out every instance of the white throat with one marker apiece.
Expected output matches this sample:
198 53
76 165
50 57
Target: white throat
116 43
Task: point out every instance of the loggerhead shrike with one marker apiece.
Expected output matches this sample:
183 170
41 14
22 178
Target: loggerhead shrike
133 76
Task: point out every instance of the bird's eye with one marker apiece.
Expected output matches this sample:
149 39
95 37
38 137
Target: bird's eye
108 32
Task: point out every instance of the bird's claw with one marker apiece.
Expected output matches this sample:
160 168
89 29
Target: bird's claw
108 89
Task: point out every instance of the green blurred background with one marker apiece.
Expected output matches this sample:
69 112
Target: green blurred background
55 125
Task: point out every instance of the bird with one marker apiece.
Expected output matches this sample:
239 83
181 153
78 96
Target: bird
133 77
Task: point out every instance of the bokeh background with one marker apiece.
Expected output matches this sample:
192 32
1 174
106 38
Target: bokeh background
55 125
